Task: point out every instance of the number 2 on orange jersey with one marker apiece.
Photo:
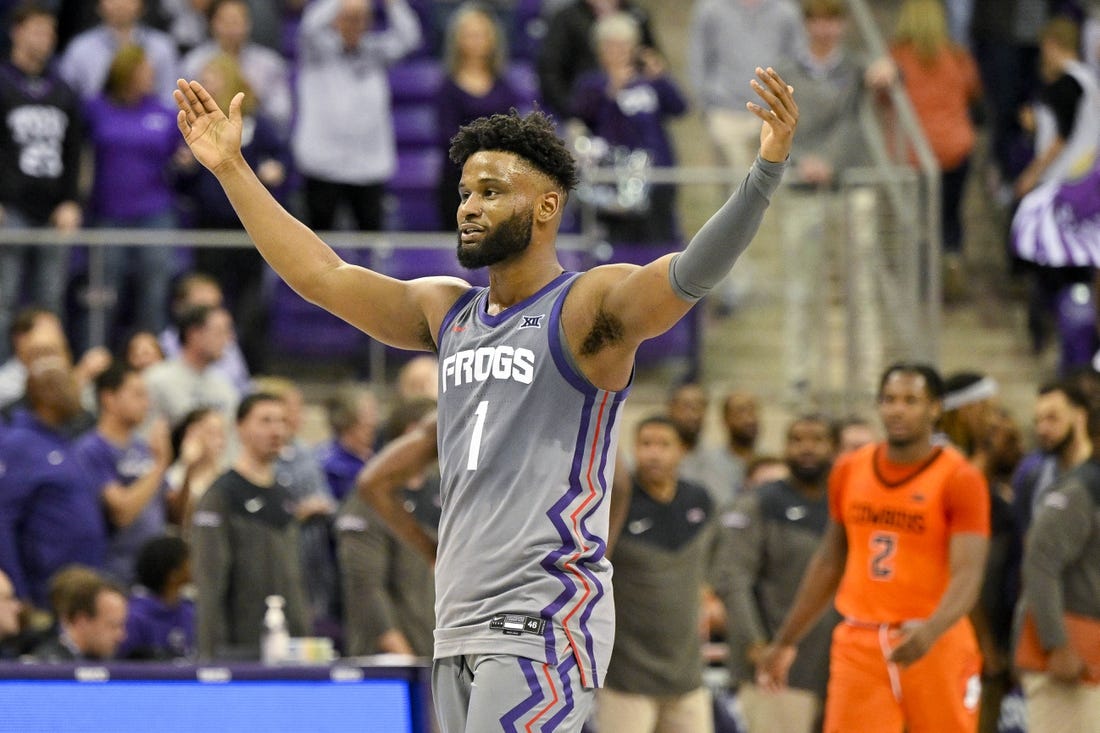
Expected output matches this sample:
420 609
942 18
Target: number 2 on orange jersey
884 545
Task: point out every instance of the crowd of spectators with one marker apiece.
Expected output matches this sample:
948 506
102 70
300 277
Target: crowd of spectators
151 532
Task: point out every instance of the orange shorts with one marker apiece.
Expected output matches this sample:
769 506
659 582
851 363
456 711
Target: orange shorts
937 694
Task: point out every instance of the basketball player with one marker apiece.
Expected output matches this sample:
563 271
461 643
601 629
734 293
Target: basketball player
533 373
906 545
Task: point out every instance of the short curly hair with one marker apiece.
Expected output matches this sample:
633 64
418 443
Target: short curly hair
531 137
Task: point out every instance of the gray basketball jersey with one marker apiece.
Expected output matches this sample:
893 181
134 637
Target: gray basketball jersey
526 451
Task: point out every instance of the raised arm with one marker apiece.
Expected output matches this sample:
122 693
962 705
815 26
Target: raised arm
630 304
401 314
652 299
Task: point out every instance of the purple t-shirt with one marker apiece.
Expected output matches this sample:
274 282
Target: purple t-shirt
340 467
634 117
133 150
158 631
49 514
107 463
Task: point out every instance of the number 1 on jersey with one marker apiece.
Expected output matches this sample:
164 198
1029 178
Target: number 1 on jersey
475 438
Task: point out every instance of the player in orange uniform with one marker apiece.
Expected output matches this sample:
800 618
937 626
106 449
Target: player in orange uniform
904 552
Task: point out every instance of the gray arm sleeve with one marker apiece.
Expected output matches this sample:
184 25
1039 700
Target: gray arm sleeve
712 251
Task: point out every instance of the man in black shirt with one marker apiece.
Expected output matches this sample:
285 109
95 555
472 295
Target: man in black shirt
40 139
245 540
654 683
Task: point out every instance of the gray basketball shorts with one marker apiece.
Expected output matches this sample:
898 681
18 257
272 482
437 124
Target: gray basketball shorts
485 693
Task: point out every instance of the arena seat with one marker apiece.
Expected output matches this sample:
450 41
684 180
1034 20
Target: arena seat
415 81
415 125
412 191
528 29
525 80
299 328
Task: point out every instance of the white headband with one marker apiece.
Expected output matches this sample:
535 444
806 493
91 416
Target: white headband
983 389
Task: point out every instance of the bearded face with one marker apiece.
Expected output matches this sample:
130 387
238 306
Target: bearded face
501 243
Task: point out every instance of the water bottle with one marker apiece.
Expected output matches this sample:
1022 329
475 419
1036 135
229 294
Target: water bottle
276 639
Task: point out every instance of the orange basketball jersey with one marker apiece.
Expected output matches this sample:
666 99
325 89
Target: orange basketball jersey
899 519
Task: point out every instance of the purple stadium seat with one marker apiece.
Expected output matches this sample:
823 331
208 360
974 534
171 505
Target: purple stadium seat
412 191
528 29
415 81
300 329
415 125
409 264
412 210
525 80
417 169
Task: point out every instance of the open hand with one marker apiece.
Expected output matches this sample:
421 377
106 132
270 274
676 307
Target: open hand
214 138
780 117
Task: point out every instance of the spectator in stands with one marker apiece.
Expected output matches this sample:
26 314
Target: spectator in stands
721 469
127 469
185 22
343 141
566 51
245 541
142 350
299 472
475 55
728 40
830 79
686 407
388 588
264 69
240 270
767 539
39 164
48 503
353 420
87 59
199 444
160 622
134 142
1005 38
854 432
625 102
11 609
92 623
37 332
200 288
189 380
1056 226
941 79
1062 442
418 377
654 682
